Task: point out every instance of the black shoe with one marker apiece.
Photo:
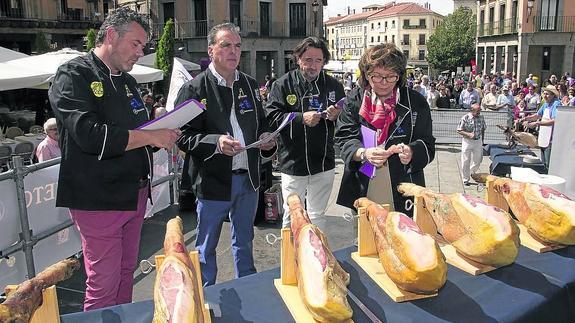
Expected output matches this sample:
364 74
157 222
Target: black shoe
466 183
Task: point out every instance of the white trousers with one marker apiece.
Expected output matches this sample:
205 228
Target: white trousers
315 190
471 156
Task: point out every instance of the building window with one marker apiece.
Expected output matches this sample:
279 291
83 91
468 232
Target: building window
372 39
421 22
406 39
297 20
546 64
393 39
393 24
406 23
549 14
236 13
421 56
385 25
421 39
379 25
385 38
264 19
379 39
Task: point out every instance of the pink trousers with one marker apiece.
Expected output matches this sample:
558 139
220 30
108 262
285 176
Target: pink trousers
110 242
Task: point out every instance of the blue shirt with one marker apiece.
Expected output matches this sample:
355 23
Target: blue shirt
553 107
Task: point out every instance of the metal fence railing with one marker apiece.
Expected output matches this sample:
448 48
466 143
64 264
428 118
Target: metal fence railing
445 122
27 238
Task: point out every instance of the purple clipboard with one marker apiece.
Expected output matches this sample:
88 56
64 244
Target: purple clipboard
176 118
369 141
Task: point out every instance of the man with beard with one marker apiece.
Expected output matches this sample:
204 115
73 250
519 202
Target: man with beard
307 155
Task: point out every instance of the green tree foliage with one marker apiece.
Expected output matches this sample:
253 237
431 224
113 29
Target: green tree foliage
90 39
165 52
453 43
41 45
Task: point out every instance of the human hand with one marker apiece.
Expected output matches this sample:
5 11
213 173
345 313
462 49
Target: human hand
332 113
378 156
406 154
164 138
311 118
268 145
229 146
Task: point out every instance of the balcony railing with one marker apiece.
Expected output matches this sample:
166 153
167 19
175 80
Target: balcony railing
496 28
248 28
564 24
414 26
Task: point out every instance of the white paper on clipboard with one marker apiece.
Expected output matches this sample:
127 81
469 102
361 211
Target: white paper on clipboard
287 119
176 118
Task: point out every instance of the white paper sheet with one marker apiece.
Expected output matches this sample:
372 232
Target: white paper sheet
288 118
176 118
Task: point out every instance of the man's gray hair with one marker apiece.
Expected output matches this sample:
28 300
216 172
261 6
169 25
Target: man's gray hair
225 26
119 20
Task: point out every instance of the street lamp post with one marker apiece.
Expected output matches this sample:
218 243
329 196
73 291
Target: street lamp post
315 7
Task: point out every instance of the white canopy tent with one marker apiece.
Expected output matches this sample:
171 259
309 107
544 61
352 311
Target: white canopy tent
150 61
347 66
8 54
45 66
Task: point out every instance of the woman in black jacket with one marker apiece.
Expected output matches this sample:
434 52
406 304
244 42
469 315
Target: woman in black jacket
401 119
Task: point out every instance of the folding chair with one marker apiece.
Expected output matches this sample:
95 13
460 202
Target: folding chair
25 150
5 156
13 132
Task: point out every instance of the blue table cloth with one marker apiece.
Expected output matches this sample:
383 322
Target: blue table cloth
536 288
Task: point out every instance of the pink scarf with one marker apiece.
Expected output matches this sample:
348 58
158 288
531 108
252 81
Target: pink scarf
378 114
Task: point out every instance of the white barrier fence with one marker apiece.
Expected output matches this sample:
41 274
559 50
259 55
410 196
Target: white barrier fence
51 236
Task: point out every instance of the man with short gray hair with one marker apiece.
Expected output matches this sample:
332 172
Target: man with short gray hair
225 176
105 169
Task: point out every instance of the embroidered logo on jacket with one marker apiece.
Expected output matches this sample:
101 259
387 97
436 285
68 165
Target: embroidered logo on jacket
331 96
97 89
204 101
291 99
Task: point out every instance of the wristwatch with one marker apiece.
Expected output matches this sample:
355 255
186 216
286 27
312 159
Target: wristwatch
362 157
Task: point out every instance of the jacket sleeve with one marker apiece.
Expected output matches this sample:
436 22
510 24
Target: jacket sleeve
195 139
423 141
347 132
276 107
75 106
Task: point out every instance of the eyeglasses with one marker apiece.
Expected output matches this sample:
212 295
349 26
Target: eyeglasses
376 78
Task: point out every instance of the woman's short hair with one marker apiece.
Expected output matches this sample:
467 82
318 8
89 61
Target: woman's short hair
382 55
49 124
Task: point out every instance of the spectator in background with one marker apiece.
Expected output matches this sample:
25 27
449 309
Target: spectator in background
506 102
49 148
530 80
532 98
545 120
444 99
432 96
571 93
468 96
424 85
563 95
490 99
149 103
472 129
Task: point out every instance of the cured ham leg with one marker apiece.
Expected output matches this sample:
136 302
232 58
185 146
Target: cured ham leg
176 292
20 305
410 258
322 283
480 232
547 214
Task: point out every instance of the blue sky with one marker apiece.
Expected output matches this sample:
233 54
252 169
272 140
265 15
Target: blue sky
334 7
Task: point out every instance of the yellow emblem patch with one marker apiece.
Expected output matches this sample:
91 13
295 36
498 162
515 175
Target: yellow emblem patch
291 99
204 101
97 89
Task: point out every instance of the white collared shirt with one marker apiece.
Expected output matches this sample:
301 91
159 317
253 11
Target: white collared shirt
239 161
